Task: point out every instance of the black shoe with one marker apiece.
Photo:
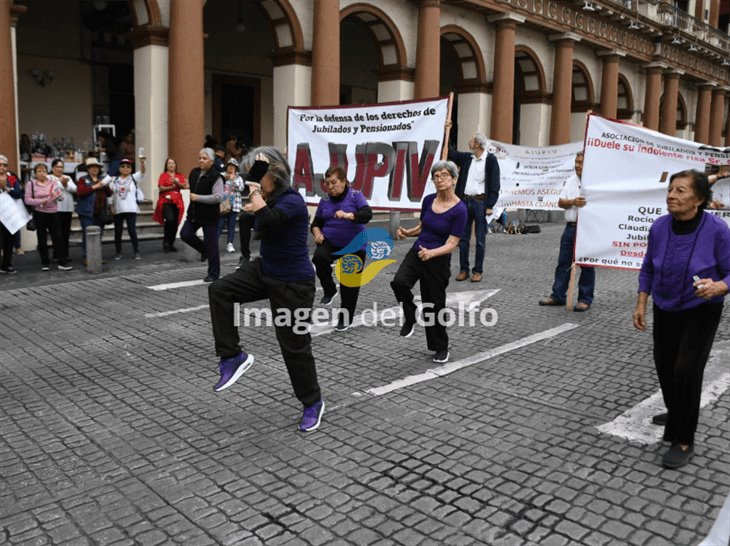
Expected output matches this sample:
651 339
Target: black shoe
676 457
210 278
10 270
165 248
172 248
240 262
659 419
326 300
202 257
407 329
342 325
441 356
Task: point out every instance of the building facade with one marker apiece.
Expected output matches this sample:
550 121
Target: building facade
522 71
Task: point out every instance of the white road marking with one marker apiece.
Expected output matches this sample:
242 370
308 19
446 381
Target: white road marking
176 311
173 285
451 367
635 424
469 299
720 532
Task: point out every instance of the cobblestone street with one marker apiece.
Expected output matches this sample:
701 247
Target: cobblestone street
111 433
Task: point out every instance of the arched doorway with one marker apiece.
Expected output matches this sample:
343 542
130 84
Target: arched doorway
529 97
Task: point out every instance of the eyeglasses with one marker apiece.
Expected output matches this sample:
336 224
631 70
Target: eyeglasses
440 175
3 164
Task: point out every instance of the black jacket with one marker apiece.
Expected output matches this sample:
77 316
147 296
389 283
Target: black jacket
201 213
491 173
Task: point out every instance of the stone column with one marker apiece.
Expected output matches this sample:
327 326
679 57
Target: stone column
428 50
717 116
326 53
609 82
504 77
714 21
292 86
562 87
653 95
702 115
186 101
8 110
727 126
668 123
151 58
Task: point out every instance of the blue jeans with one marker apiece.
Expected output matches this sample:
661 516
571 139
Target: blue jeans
587 281
476 214
85 222
229 219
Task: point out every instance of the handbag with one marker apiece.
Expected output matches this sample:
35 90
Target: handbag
30 226
105 216
225 206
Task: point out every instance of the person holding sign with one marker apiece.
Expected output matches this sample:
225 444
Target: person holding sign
283 275
478 187
339 218
571 199
9 184
686 270
443 216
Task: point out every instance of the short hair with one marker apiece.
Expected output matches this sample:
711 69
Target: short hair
38 166
446 165
56 162
210 154
4 159
579 153
279 167
481 140
339 172
700 185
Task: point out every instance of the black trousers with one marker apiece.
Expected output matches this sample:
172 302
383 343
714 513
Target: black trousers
7 244
45 224
294 299
434 278
170 216
323 260
682 344
245 225
64 222
131 219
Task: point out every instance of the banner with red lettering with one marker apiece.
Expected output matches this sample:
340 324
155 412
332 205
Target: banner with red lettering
387 149
626 172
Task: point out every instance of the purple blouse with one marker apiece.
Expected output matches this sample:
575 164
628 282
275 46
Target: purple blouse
436 228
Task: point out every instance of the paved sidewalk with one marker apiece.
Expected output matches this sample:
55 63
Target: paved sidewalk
111 433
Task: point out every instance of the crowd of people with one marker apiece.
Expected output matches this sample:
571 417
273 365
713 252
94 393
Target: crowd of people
686 269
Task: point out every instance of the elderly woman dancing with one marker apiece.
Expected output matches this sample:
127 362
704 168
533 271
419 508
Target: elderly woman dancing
443 217
283 275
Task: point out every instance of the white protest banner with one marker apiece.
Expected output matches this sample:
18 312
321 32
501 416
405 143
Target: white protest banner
532 178
626 173
12 213
386 149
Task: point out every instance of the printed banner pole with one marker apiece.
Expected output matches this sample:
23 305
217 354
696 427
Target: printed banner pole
447 128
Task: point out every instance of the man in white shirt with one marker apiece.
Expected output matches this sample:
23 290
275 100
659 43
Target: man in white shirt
571 199
478 187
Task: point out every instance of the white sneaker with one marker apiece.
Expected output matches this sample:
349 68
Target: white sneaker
230 248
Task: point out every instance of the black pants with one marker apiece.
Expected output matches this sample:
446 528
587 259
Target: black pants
434 277
170 216
248 285
208 247
682 344
64 222
245 225
7 244
131 219
323 260
45 224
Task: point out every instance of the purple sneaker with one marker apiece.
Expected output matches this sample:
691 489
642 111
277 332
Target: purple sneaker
312 416
232 369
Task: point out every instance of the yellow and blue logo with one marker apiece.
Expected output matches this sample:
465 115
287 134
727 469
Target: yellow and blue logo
378 246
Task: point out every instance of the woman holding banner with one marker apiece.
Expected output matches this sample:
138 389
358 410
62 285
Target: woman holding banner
338 219
443 218
686 270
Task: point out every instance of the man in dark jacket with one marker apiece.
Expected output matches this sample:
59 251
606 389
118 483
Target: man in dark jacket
478 187
206 193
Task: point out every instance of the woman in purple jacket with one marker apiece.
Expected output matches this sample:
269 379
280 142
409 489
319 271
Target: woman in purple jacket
686 269
340 217
443 217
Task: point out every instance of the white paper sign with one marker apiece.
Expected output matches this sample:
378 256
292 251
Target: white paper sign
387 149
532 178
626 171
12 213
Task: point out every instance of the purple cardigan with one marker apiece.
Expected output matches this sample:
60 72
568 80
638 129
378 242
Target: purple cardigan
672 260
